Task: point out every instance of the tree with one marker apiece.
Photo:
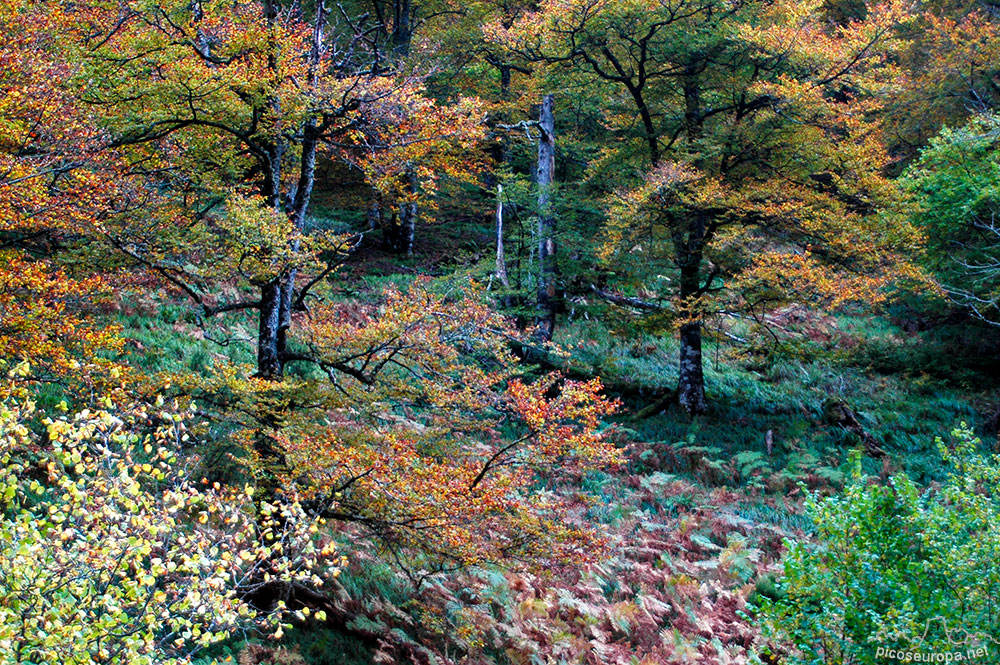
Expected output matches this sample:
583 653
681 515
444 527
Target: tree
954 182
213 117
46 193
109 553
422 432
43 331
245 100
407 417
753 125
948 72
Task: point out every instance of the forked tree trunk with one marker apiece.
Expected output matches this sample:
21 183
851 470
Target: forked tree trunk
547 269
277 295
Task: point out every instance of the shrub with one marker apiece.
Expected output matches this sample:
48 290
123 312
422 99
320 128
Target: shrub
894 566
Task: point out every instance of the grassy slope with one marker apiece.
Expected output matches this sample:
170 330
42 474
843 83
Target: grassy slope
691 490
785 394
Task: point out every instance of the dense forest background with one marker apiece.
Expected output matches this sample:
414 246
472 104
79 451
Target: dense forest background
499 331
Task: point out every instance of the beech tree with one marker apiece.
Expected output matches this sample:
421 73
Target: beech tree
46 193
109 553
948 71
243 101
954 186
422 431
409 416
752 124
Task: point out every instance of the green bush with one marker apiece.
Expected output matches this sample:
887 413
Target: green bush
894 566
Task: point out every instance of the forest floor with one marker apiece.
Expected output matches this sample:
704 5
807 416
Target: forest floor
694 520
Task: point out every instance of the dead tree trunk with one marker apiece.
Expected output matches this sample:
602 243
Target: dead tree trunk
501 269
547 269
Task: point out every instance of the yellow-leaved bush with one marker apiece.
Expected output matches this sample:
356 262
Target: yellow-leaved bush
109 553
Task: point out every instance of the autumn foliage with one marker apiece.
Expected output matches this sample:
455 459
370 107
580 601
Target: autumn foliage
111 553
401 325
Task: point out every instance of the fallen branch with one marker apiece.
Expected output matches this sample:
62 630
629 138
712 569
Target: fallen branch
627 301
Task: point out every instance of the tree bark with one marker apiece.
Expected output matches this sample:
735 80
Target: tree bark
402 31
399 232
690 379
501 266
278 294
269 365
408 212
690 374
689 250
652 142
547 268
374 214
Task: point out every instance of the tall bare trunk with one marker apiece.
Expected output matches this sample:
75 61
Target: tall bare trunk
501 269
547 269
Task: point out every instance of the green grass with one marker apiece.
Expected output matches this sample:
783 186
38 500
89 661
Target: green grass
168 338
781 390
785 394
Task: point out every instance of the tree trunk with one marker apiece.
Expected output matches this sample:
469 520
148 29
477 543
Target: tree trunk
408 212
392 233
649 129
269 364
399 233
277 296
689 250
269 361
547 269
690 378
501 269
374 214
402 31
